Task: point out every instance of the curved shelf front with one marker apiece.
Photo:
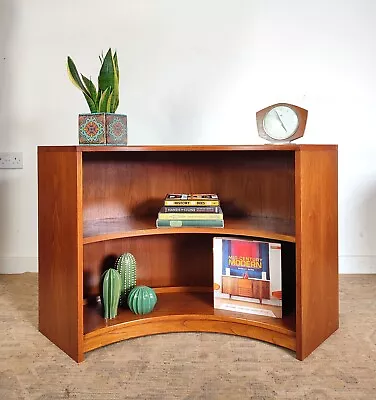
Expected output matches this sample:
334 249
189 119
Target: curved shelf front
117 228
185 312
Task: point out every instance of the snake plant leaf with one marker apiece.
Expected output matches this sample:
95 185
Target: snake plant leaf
115 89
90 87
107 72
103 102
116 65
97 100
118 78
109 103
92 106
101 57
75 77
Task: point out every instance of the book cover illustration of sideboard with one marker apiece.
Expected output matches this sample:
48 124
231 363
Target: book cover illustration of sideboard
247 276
98 202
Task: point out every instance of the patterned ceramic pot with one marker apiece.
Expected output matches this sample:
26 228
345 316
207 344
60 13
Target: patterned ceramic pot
142 299
102 128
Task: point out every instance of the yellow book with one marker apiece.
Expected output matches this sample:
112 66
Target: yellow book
199 199
191 203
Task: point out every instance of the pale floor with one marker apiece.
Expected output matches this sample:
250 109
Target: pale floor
187 366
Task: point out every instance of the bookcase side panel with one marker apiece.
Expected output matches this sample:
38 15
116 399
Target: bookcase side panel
317 293
60 250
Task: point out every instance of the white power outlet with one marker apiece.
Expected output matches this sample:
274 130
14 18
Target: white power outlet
11 160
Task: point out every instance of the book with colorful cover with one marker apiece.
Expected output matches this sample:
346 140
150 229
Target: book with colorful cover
191 209
247 276
190 215
191 196
197 223
191 199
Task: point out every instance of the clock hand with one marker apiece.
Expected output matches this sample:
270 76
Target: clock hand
283 125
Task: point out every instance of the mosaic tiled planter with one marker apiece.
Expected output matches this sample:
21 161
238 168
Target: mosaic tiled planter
102 128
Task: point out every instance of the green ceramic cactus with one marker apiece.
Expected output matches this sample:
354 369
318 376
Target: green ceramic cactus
142 299
111 287
126 266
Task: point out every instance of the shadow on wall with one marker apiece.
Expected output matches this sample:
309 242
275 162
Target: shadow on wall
5 219
7 8
367 231
7 16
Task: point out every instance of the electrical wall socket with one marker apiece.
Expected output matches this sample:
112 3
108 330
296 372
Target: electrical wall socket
11 160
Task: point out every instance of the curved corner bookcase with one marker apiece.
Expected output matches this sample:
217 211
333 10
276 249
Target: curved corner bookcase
96 202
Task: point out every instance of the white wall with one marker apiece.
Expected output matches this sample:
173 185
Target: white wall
192 72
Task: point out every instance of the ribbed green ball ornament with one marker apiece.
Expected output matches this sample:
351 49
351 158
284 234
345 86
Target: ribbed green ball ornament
142 299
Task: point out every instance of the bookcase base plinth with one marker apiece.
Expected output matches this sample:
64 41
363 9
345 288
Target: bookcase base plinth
185 323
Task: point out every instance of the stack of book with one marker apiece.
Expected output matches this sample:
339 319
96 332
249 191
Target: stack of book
194 210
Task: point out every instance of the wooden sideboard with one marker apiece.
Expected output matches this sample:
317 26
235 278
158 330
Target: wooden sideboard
254 288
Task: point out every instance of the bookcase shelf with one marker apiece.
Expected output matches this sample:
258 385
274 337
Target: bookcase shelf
184 311
97 202
116 228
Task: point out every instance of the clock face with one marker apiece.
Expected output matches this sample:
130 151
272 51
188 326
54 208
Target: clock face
281 122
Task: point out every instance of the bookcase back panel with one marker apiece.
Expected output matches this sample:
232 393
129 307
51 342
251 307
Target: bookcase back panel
162 260
249 183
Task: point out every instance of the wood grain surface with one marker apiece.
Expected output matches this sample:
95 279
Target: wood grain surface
249 184
97 202
317 294
60 250
185 312
116 228
179 148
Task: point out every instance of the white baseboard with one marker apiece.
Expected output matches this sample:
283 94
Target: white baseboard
357 264
18 265
347 265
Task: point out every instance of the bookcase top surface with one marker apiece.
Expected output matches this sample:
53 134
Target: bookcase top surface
173 148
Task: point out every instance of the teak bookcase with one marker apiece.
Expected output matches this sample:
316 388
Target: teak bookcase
97 202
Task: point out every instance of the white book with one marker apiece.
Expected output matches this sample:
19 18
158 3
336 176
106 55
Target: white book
247 276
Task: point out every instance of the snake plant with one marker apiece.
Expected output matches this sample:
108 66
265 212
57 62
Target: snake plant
106 97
